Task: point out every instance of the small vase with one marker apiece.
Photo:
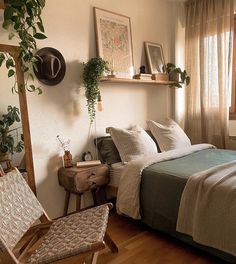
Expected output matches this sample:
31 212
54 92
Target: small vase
68 162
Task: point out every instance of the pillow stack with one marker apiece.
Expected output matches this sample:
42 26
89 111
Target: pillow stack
134 143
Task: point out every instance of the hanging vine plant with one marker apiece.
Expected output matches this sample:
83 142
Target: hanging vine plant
22 18
93 70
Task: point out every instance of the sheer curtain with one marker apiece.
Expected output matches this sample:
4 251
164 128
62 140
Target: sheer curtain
209 44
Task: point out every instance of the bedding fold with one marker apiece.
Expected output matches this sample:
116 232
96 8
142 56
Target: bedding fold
208 208
128 196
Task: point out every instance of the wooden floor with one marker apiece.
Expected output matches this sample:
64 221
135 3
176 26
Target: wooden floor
141 245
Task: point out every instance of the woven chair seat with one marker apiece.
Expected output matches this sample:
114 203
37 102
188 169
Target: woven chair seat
71 235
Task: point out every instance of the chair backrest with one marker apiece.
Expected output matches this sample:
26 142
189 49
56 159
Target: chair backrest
19 209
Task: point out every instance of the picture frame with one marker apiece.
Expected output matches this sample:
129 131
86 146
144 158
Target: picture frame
155 58
114 42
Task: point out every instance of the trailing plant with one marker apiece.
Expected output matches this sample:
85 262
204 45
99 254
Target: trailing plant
7 140
176 74
22 18
93 70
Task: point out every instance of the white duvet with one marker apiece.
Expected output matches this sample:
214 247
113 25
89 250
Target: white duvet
129 186
208 208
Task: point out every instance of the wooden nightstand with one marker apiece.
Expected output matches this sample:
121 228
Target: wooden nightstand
79 180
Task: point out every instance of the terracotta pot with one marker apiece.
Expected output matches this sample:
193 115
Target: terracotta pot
174 76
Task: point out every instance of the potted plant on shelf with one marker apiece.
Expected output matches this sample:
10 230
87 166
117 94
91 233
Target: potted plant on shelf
8 144
23 20
177 75
94 69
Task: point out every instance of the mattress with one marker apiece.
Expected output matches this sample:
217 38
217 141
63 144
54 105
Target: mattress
116 170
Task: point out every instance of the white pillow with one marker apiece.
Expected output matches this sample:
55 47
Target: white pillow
131 144
169 136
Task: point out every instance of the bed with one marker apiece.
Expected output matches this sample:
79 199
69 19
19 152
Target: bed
162 185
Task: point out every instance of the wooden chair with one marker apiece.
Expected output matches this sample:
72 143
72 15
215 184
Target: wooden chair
50 241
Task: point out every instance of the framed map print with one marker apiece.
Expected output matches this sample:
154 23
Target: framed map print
114 42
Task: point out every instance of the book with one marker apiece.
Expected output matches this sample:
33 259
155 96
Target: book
83 164
142 76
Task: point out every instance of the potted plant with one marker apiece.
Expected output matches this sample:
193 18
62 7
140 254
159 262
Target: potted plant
23 20
93 70
177 75
8 144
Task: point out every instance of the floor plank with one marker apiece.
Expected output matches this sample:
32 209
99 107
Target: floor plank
140 245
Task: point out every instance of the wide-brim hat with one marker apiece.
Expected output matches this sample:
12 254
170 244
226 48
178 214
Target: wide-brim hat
51 67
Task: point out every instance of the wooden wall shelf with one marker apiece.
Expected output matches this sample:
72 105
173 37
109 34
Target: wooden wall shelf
123 80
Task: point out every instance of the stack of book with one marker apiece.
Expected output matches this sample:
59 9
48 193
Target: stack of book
90 163
142 76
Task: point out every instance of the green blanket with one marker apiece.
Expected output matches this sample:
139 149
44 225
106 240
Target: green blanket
163 183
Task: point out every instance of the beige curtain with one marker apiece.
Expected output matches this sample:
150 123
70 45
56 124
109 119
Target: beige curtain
209 37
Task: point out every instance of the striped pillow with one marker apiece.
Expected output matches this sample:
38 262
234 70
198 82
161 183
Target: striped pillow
132 144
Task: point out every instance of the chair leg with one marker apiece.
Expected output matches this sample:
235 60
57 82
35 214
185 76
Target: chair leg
95 258
78 202
95 202
67 199
91 259
110 243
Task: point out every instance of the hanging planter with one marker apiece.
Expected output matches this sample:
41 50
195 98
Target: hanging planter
94 69
22 18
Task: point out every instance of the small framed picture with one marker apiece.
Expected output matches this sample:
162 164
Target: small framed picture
114 41
155 57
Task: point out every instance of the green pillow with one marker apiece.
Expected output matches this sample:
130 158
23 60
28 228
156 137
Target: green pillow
107 150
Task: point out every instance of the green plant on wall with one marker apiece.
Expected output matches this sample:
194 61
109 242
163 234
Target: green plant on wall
93 70
176 74
22 18
7 142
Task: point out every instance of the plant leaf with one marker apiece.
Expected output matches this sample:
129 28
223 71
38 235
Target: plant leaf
8 12
6 24
39 90
42 2
39 36
32 88
2 58
9 63
178 85
40 26
11 73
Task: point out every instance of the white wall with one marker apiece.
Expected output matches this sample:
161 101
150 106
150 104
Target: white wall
62 109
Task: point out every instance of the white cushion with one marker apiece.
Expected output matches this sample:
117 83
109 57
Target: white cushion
131 144
169 136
